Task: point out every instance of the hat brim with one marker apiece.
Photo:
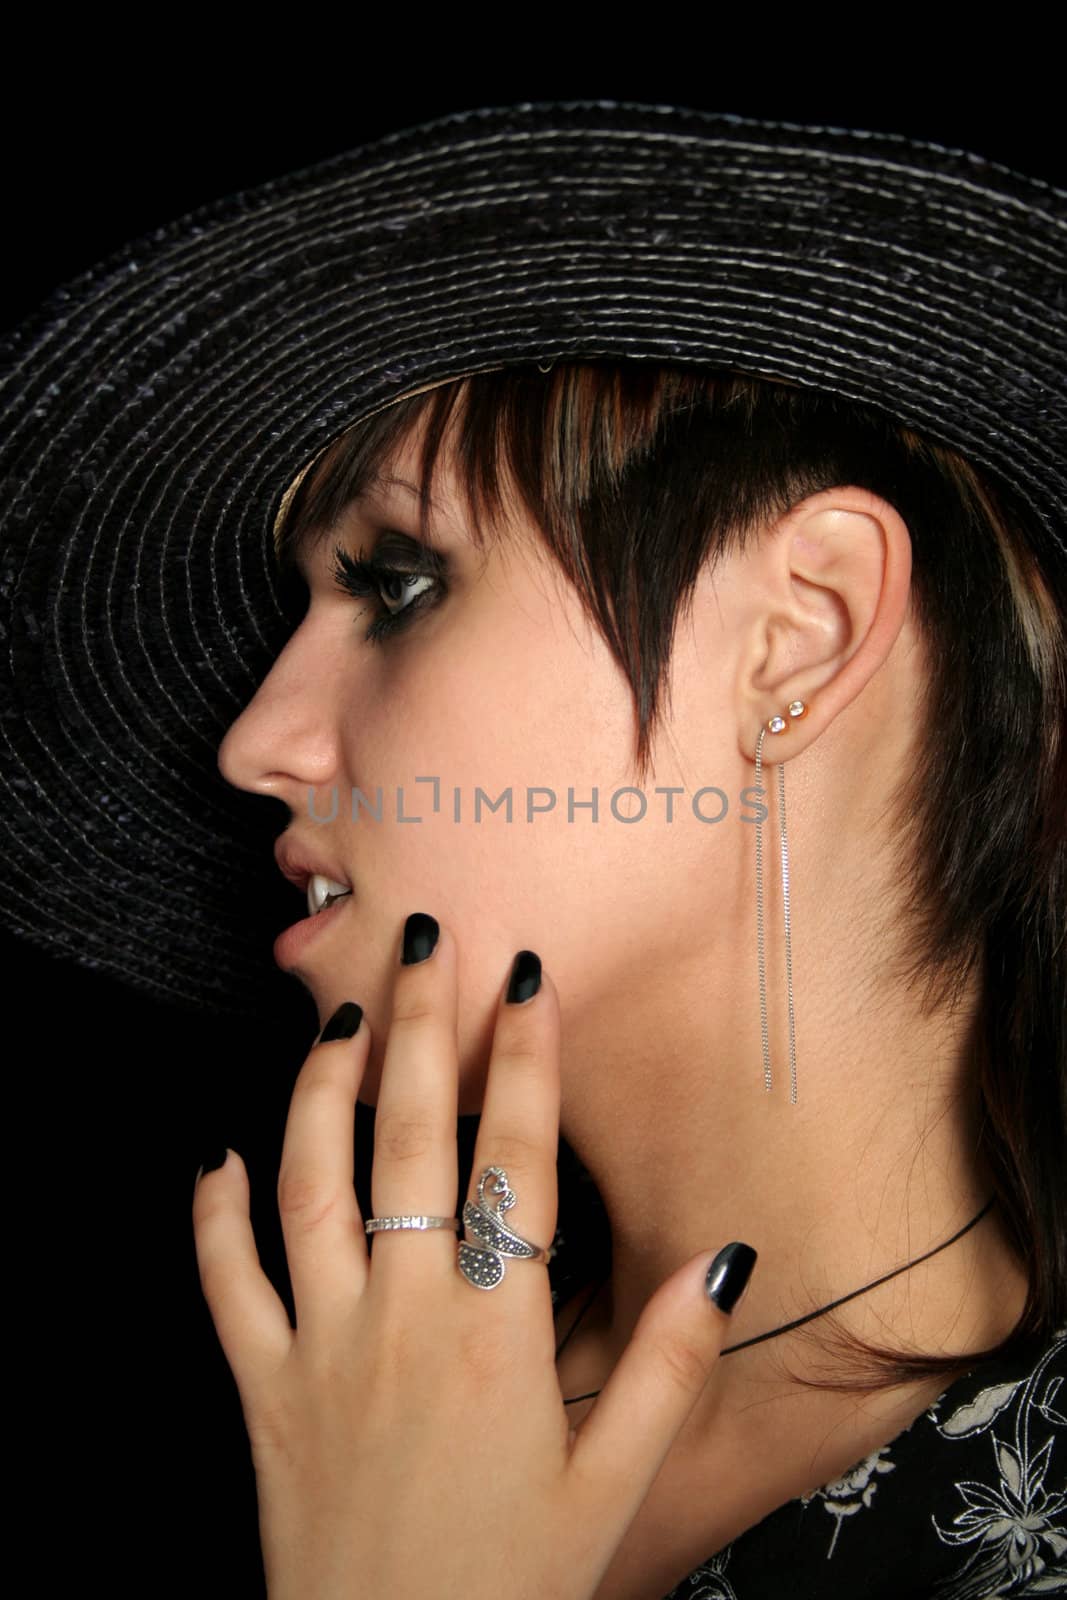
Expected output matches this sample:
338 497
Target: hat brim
156 410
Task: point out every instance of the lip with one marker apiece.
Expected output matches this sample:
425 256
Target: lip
299 864
292 941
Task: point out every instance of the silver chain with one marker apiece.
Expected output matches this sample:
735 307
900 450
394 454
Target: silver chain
788 936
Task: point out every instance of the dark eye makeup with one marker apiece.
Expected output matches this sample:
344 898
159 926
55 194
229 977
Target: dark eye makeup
362 577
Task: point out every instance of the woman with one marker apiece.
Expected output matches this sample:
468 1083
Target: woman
708 535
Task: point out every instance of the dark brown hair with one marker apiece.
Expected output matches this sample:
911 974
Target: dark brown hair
636 476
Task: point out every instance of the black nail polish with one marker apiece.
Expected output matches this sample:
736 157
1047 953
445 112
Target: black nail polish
420 938
214 1159
344 1022
525 977
728 1275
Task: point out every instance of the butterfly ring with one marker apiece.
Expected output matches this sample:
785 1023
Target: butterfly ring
483 1264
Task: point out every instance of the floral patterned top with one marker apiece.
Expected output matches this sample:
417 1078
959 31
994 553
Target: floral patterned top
967 1503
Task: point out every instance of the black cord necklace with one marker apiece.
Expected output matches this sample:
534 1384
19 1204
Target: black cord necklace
795 1324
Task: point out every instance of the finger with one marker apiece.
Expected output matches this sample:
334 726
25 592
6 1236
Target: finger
621 1445
416 1164
325 1245
250 1319
519 1128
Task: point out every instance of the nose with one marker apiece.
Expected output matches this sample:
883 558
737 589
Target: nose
287 738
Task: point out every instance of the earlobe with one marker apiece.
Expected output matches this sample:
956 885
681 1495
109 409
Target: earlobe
775 726
794 712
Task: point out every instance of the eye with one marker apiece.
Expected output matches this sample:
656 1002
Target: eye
400 589
401 592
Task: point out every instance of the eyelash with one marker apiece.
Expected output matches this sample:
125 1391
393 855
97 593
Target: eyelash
361 578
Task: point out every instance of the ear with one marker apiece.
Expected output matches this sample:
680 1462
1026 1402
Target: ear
833 581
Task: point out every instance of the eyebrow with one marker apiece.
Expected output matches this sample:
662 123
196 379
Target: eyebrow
389 481
296 555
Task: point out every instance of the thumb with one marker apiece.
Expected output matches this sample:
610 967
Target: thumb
622 1443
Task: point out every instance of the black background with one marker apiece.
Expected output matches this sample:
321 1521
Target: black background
133 1450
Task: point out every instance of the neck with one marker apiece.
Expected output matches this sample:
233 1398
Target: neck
874 1167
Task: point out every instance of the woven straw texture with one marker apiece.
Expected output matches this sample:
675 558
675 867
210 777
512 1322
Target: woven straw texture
155 409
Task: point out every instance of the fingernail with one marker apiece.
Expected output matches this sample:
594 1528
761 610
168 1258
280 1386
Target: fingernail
216 1158
344 1022
728 1275
420 938
525 977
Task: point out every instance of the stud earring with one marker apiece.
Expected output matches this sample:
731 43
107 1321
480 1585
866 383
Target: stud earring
776 724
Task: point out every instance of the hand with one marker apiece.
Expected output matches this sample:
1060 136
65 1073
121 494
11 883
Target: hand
410 1437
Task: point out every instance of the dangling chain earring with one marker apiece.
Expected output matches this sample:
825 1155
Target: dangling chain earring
797 710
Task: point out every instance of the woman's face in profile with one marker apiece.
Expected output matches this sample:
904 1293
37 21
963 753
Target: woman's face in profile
498 683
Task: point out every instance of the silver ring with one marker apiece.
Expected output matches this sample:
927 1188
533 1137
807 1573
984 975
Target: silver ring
483 1264
382 1224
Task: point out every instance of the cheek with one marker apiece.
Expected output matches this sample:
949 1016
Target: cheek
519 694
528 701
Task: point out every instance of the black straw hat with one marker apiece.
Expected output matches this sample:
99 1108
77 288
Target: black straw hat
154 411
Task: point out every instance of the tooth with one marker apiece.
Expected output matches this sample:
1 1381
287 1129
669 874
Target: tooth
323 891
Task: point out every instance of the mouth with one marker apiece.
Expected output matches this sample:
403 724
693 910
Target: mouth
324 888
320 880
326 901
322 892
